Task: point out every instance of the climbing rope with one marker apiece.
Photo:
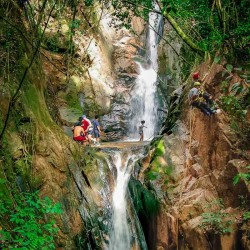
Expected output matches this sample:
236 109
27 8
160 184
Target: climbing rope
150 137
185 173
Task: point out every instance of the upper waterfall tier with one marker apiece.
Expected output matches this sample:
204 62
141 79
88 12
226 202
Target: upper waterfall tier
144 95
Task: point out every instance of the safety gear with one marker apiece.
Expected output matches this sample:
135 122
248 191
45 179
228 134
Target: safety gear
197 84
196 94
196 75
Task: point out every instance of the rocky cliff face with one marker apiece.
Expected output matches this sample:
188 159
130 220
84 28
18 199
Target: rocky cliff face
102 70
200 203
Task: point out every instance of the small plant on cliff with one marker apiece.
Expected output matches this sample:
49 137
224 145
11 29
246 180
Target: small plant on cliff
159 167
27 222
242 176
217 221
245 177
144 199
235 100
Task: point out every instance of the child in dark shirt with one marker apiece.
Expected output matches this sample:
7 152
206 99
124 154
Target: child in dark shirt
141 130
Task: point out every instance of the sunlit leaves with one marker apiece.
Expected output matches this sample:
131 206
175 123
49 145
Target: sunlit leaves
242 176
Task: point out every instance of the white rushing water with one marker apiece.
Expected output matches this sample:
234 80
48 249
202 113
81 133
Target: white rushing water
120 238
144 102
143 107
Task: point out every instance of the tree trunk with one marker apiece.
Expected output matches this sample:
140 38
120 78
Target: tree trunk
184 37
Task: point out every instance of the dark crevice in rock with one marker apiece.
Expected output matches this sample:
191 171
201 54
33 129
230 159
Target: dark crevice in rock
86 179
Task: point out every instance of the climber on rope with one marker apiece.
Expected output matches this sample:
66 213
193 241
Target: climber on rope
196 77
141 130
206 96
200 99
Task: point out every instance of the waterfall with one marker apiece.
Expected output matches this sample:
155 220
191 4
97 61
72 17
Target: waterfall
122 232
144 102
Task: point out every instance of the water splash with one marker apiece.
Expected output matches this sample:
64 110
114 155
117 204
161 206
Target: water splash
120 237
144 102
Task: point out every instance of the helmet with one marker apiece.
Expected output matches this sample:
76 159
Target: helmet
196 75
197 84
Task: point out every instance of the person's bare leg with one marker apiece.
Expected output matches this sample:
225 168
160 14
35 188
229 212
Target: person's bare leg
89 139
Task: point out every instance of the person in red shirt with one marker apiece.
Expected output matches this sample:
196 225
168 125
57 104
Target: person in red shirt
85 124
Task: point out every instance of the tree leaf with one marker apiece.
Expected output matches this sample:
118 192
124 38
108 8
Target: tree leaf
229 67
217 59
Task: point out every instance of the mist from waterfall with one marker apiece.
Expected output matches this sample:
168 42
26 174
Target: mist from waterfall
144 102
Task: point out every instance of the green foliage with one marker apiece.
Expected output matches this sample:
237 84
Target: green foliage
31 220
218 221
52 43
144 200
88 2
235 100
73 101
213 25
160 150
125 10
243 176
217 59
229 67
245 206
232 105
75 24
246 216
159 167
91 107
152 175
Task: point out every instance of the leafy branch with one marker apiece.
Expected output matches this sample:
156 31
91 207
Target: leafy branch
32 222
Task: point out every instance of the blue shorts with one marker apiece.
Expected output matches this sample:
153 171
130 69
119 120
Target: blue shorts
96 133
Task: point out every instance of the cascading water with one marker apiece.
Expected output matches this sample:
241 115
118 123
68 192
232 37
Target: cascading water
120 238
144 102
121 233
144 107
